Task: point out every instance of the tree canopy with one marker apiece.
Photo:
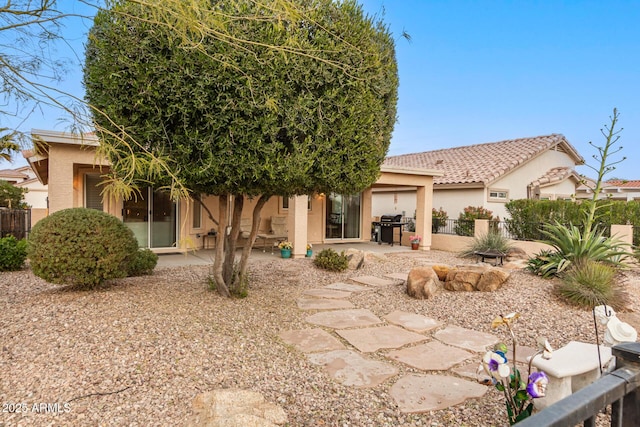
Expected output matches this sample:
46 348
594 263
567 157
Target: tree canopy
262 98
244 118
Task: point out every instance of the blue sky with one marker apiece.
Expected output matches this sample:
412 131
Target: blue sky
485 71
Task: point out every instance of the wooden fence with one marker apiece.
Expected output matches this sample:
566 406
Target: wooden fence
15 222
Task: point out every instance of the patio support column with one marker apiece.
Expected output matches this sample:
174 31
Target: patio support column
423 216
297 225
365 231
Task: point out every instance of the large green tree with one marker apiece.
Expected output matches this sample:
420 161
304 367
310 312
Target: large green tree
282 104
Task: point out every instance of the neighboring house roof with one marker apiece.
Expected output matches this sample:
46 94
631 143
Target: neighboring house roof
629 185
12 175
482 164
556 175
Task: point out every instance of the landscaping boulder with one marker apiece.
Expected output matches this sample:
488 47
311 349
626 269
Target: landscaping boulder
355 257
515 254
464 278
235 408
423 283
492 279
442 271
475 277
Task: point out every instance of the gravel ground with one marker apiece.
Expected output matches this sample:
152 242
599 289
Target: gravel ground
135 353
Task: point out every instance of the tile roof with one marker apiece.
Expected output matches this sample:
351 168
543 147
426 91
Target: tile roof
616 183
555 175
483 163
12 173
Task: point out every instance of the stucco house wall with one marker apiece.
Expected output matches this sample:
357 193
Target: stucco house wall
67 160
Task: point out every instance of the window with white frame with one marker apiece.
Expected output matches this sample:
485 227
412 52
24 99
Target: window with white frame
496 195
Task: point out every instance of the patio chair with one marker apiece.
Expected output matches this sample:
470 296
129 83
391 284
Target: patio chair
277 232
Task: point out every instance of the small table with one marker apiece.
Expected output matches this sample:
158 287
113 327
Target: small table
205 240
497 255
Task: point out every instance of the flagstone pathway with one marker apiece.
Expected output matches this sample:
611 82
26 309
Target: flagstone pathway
448 354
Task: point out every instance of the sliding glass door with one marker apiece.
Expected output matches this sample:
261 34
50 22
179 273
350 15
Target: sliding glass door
342 216
152 217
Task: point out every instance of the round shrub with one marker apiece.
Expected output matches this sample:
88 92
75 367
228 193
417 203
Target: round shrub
328 259
82 247
13 253
143 262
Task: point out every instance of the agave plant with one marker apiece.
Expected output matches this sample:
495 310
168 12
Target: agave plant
571 245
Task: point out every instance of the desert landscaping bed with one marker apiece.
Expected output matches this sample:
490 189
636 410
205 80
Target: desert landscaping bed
138 351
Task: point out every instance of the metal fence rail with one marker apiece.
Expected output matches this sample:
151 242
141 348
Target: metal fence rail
619 390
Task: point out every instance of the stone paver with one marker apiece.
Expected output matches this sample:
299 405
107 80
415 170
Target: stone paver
351 369
341 319
311 340
327 293
423 393
398 276
322 304
466 338
522 354
368 340
349 287
432 356
470 370
373 281
413 322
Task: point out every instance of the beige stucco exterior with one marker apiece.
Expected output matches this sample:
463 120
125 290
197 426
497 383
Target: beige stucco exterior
67 159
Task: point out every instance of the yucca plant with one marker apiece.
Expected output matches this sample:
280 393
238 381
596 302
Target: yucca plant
491 241
589 283
571 246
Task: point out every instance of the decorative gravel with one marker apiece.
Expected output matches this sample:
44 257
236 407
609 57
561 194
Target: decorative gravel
137 352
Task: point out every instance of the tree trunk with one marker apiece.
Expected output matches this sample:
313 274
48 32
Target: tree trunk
255 224
232 240
218 278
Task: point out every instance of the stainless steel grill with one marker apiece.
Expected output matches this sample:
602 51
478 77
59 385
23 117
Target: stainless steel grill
384 229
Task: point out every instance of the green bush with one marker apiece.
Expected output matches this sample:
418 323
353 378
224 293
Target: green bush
143 262
13 253
79 246
492 241
328 259
590 283
465 224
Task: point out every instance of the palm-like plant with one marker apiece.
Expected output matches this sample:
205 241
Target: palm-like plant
8 144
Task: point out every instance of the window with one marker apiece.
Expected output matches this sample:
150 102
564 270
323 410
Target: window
92 196
285 203
197 215
498 195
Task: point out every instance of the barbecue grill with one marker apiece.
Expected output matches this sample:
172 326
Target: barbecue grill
384 229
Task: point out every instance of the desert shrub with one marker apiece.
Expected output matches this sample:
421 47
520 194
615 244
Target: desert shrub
438 219
492 241
13 253
82 247
589 283
142 263
328 259
465 224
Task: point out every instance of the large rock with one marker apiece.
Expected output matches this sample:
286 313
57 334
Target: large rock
515 254
492 279
442 271
355 257
235 408
464 278
423 283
